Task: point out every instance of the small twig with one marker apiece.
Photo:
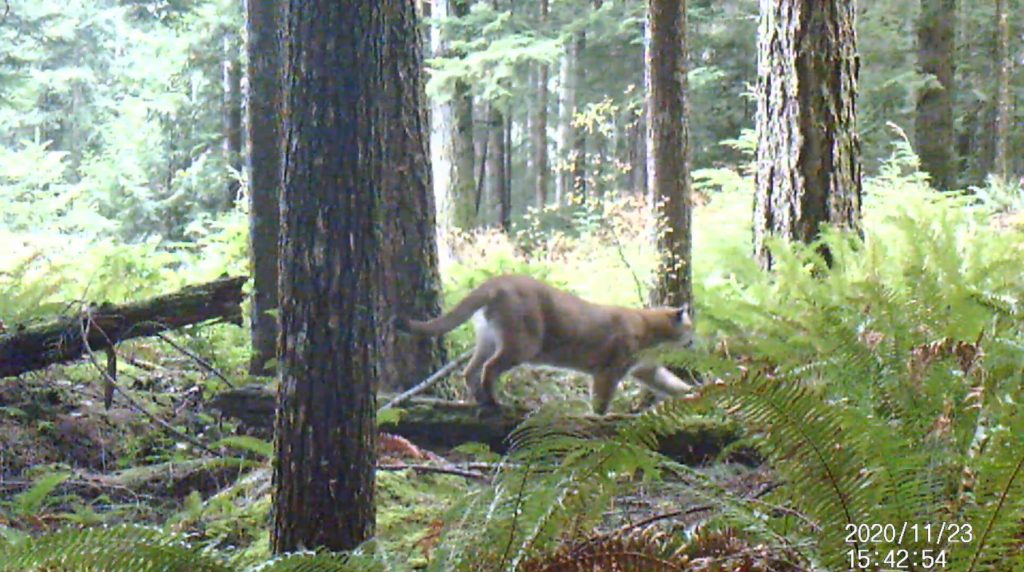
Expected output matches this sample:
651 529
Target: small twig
622 256
433 469
426 383
199 360
86 324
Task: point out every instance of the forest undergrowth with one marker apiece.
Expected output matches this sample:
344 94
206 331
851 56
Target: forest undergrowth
882 389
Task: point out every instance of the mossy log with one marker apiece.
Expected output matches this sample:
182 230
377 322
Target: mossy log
441 425
61 340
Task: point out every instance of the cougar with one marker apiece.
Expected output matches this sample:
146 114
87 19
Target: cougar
520 320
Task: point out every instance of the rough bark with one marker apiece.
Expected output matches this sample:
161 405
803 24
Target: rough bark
264 166
1004 68
934 122
61 340
232 116
808 153
333 338
667 149
452 134
495 157
567 89
636 137
443 425
579 142
539 127
414 282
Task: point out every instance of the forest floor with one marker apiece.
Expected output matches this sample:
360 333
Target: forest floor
65 459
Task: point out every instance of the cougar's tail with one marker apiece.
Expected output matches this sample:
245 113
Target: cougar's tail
462 311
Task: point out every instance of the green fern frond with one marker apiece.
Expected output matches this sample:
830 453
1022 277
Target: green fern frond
125 548
320 562
805 441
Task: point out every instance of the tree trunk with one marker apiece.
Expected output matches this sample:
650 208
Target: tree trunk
667 148
495 158
637 152
264 165
232 117
579 141
934 123
332 298
566 130
539 127
1004 64
452 134
808 152
414 285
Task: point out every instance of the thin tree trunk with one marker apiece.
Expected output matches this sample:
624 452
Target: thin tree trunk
579 142
808 153
414 284
539 127
667 160
1005 65
452 133
934 122
566 131
496 161
506 200
333 337
232 116
264 166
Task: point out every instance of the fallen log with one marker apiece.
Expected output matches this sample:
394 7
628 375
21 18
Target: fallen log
442 425
61 340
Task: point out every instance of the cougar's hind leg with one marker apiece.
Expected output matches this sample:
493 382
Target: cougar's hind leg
486 346
499 363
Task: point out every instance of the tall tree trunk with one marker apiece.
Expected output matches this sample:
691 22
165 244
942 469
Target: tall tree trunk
539 127
808 152
333 339
567 91
637 141
495 158
667 146
1005 65
452 134
579 141
414 284
232 116
264 165
934 124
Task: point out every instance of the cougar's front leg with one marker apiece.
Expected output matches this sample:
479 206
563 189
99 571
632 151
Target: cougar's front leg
660 379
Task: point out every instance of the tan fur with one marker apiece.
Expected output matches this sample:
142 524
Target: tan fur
520 320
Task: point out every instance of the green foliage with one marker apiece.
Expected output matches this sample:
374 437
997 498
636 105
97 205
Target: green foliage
129 548
30 501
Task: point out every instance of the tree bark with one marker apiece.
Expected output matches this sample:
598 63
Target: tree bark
333 339
61 340
264 165
414 282
495 158
579 141
934 123
232 117
1005 67
567 92
808 153
452 134
539 127
667 149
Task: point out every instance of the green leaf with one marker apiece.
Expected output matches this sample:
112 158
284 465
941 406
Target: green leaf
30 501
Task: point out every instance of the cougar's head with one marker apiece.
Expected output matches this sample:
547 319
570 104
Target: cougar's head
682 325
